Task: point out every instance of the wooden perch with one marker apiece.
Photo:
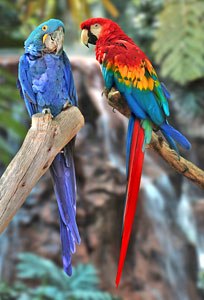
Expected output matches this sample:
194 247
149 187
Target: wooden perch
157 144
44 140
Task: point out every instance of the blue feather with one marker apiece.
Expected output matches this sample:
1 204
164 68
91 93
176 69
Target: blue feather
167 130
171 143
165 91
108 77
148 103
134 106
66 247
69 80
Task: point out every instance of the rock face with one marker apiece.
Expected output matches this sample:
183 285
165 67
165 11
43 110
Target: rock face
161 263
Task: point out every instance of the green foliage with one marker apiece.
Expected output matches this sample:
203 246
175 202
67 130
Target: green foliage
55 284
201 279
190 99
138 19
20 17
9 25
11 117
180 40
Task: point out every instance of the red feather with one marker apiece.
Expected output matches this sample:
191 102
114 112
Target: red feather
135 171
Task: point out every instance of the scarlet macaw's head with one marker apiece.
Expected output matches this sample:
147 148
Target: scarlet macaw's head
98 28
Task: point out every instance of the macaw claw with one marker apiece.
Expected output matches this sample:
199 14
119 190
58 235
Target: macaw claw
46 111
105 92
66 105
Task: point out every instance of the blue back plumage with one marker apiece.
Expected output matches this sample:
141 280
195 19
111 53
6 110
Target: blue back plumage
46 81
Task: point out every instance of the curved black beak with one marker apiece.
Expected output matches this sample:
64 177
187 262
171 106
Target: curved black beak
87 37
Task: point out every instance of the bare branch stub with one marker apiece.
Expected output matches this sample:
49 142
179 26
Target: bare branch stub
158 145
45 138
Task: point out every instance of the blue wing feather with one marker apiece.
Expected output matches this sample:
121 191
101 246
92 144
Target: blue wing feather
168 130
69 80
26 85
165 91
135 106
148 103
108 77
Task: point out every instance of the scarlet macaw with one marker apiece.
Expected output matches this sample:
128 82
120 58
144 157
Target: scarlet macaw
46 83
127 68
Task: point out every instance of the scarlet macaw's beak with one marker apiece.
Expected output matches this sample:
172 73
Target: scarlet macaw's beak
85 37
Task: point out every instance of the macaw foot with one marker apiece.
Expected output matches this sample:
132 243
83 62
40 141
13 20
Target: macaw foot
155 127
105 92
47 111
67 105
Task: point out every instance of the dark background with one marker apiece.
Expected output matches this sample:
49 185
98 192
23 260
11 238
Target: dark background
165 258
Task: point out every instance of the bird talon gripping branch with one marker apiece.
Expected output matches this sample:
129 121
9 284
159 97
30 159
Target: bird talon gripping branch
127 68
67 105
47 111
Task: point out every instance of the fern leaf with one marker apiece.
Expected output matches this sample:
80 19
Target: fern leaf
82 285
179 40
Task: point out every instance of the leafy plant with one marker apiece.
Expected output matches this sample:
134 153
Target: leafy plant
10 24
11 117
20 17
201 280
55 284
179 40
138 18
36 11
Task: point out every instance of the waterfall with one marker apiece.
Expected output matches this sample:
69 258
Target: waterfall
160 207
8 244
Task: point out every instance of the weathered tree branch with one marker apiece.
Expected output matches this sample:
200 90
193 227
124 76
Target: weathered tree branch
157 144
44 140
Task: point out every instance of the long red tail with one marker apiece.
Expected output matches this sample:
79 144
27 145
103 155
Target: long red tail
134 176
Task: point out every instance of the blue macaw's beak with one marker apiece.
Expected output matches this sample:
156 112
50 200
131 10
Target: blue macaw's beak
53 42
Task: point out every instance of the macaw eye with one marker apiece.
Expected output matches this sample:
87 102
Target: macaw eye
96 25
44 28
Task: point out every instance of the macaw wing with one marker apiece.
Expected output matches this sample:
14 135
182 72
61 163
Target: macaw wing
128 68
25 86
69 80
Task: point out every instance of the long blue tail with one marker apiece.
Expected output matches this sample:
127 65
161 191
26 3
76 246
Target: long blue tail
63 176
172 135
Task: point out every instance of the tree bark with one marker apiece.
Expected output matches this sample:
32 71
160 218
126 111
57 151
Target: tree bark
44 140
158 145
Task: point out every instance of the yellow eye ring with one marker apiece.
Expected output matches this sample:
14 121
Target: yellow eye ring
44 28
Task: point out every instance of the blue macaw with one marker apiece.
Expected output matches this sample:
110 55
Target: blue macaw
46 84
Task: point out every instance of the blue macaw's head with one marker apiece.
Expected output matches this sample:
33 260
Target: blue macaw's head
48 37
